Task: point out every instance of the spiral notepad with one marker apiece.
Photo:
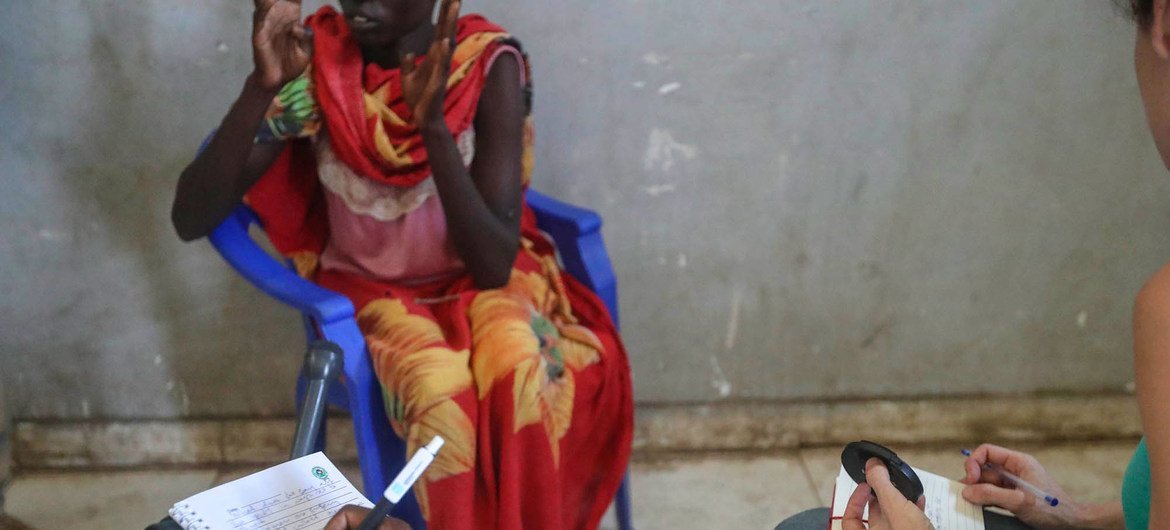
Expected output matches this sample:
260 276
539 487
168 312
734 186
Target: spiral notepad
303 493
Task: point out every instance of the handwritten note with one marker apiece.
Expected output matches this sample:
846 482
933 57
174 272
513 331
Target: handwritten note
303 493
945 506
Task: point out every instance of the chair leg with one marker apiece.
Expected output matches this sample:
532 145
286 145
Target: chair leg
623 507
319 445
319 442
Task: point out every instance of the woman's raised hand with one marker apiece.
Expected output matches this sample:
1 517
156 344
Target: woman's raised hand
281 46
425 85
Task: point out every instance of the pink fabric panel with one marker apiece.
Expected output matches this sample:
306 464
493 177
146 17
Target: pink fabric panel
412 248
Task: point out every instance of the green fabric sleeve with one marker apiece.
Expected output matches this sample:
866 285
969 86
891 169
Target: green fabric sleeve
1135 490
293 114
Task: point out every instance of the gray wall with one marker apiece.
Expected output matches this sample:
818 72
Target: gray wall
803 199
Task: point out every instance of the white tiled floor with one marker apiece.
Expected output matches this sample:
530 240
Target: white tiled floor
111 500
703 492
720 491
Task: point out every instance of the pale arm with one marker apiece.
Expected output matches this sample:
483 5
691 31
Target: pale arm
1151 334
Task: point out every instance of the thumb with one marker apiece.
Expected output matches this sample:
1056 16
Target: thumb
974 471
304 36
406 63
337 522
990 494
447 44
878 478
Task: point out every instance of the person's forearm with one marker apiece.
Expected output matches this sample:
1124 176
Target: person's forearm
1151 363
1103 516
216 180
486 243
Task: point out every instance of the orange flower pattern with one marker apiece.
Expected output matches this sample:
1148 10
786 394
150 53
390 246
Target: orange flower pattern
419 376
521 329
525 328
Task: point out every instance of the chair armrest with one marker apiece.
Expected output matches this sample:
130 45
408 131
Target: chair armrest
577 233
232 241
559 218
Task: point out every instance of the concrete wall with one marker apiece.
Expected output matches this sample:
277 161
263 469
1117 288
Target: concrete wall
804 200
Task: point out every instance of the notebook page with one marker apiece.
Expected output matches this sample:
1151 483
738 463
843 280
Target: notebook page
841 493
303 493
945 506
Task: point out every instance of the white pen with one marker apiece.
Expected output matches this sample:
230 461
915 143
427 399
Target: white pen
401 484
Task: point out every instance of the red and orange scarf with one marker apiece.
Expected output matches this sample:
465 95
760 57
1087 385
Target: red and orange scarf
369 127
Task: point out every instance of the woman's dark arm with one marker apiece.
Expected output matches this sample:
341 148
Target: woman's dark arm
483 203
218 178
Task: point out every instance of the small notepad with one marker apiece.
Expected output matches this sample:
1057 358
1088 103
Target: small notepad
303 493
945 506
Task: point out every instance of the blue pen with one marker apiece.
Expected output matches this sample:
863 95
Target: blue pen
1018 482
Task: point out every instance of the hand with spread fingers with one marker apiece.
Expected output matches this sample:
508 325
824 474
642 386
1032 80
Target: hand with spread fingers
281 46
424 84
888 508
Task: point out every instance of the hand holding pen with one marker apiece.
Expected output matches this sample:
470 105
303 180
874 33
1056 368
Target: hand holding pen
1017 482
350 517
401 485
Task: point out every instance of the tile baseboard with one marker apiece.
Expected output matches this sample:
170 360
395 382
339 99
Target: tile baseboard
732 426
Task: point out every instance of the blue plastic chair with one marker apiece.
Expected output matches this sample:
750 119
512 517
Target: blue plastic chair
330 316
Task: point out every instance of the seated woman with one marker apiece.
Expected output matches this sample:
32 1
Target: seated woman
387 156
1145 496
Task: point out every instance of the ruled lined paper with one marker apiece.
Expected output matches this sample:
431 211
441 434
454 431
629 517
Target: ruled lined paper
303 493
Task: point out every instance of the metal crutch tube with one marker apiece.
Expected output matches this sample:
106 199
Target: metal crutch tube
323 365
